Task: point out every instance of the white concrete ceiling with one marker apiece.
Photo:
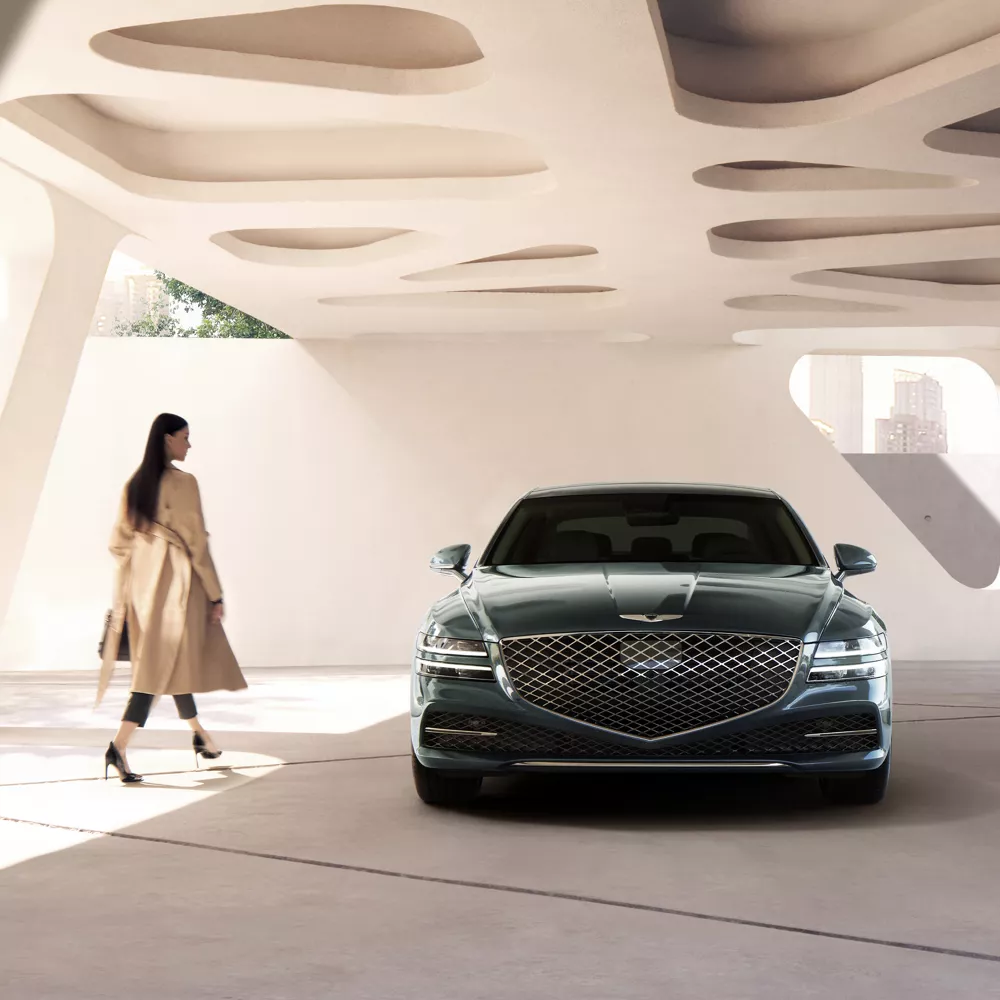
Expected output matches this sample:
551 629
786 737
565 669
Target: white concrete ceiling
692 171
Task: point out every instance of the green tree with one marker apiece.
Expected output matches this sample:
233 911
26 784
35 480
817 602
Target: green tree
157 321
217 319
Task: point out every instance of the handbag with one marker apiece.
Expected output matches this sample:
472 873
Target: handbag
124 651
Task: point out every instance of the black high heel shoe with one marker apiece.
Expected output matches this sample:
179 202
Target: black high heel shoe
198 742
113 758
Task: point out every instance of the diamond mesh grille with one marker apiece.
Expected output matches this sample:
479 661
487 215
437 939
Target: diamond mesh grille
836 734
651 684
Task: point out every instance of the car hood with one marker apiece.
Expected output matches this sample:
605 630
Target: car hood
799 602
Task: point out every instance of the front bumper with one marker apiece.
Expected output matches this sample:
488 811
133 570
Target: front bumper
773 739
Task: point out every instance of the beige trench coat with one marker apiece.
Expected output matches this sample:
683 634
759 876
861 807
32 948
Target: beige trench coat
164 585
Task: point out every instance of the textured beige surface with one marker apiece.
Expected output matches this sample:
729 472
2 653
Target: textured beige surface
324 876
722 155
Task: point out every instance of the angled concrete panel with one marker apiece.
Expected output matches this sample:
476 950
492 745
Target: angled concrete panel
947 503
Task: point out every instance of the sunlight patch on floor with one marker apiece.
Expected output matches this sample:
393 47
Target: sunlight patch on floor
43 785
288 703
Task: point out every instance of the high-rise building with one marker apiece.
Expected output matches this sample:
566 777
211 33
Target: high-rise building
836 399
918 423
918 396
124 299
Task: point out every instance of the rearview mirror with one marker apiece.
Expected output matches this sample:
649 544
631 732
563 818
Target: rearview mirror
853 561
452 559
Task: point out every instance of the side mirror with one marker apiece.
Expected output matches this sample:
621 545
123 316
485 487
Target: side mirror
853 561
452 559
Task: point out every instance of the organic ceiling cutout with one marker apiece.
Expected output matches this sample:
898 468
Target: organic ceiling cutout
873 339
988 121
528 263
316 239
552 251
972 280
520 337
365 47
319 247
374 159
976 272
804 303
782 175
788 239
789 51
787 230
548 290
975 136
541 297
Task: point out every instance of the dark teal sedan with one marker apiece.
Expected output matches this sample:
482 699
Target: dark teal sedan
651 627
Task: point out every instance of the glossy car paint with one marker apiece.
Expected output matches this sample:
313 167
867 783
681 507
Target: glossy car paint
498 602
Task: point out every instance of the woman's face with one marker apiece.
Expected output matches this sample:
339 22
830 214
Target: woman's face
178 445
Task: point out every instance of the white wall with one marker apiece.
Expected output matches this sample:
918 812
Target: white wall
330 474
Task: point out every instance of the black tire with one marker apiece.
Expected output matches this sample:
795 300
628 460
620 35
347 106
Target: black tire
866 789
438 788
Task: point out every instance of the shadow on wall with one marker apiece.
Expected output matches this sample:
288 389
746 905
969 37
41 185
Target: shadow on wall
13 14
956 522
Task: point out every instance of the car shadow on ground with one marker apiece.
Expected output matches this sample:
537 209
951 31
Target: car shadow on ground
916 796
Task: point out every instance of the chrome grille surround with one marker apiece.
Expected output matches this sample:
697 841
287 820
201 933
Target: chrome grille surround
855 733
651 685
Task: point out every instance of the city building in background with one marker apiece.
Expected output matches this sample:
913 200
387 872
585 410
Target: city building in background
896 404
917 423
836 400
126 297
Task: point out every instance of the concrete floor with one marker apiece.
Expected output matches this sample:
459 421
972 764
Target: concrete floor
309 868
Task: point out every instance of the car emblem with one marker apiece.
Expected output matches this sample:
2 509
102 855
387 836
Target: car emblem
651 618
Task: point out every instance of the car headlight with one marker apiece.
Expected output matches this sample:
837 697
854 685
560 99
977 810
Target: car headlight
447 657
863 658
446 646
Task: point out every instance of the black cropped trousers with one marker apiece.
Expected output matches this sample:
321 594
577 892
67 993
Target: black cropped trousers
139 704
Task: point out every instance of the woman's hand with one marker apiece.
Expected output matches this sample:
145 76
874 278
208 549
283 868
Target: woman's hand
217 613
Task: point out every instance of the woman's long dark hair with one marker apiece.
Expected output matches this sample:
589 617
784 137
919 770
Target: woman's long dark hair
144 486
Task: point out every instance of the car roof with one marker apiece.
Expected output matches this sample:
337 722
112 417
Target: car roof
590 489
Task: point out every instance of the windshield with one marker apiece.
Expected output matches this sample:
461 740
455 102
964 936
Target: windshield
651 527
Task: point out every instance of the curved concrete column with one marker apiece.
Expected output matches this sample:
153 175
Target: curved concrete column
51 299
27 237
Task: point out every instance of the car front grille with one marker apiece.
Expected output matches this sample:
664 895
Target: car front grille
855 733
651 684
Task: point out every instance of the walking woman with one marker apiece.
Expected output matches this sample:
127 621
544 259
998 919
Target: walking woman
168 595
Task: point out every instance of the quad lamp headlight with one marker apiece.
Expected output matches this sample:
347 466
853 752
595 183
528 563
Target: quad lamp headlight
863 658
441 656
